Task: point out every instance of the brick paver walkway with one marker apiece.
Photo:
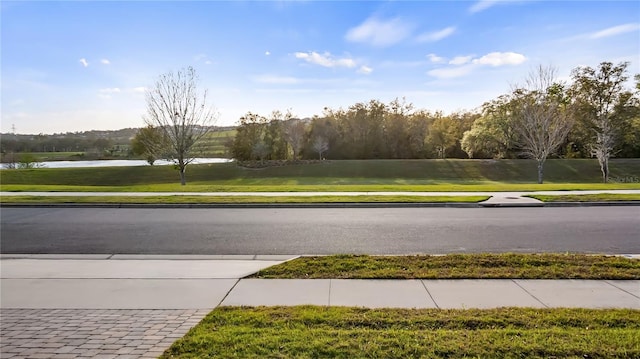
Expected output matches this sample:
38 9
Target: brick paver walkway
89 333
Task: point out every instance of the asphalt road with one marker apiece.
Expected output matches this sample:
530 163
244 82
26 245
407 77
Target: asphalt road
319 230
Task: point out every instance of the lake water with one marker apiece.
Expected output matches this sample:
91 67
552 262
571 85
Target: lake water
122 163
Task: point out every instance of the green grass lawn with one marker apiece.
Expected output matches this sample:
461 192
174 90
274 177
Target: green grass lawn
457 266
604 197
335 332
371 175
240 199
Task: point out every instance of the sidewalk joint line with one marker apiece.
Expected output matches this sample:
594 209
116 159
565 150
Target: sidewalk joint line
615 286
229 292
429 293
526 291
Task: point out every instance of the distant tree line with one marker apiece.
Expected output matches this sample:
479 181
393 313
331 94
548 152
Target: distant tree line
98 143
593 116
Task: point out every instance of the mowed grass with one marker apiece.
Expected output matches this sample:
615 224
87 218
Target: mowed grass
337 332
371 175
185 199
457 266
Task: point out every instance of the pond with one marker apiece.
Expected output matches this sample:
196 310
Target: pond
121 163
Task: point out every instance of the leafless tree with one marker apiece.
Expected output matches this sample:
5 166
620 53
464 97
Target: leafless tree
320 145
541 116
180 111
294 130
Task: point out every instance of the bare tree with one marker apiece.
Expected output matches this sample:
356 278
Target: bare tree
294 130
320 145
598 94
180 111
541 116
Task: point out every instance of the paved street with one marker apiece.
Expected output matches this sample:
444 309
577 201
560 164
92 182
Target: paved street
319 230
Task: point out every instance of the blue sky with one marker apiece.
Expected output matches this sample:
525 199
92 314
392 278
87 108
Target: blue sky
75 66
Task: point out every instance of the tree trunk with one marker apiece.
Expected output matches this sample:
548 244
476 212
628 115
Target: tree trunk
604 167
183 179
540 171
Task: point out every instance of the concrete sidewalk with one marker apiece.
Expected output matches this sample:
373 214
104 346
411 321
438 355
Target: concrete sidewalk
131 306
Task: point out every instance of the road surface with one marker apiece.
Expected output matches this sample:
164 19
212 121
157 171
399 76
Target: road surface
612 230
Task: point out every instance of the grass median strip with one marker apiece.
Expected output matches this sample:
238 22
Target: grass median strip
457 266
185 199
336 332
602 197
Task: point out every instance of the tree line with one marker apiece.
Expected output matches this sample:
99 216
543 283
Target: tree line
595 115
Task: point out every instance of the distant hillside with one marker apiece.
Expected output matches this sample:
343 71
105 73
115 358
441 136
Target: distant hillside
97 143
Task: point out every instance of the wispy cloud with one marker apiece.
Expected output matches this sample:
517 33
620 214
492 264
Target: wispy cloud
84 62
436 35
325 59
105 62
436 59
500 58
107 92
276 80
460 60
482 5
451 72
365 70
378 32
140 89
615 30
203 58
464 65
267 53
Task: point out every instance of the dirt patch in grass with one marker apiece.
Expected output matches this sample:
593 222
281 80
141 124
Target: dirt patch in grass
458 266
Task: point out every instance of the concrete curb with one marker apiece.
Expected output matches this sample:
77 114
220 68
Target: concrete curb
320 205
239 205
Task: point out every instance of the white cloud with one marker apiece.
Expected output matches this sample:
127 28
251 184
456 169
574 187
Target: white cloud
84 62
277 80
436 59
267 53
140 89
436 35
365 70
501 58
208 62
464 65
615 30
105 62
380 32
460 60
325 59
482 5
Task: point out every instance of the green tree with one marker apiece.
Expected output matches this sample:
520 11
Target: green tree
600 95
442 135
150 143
